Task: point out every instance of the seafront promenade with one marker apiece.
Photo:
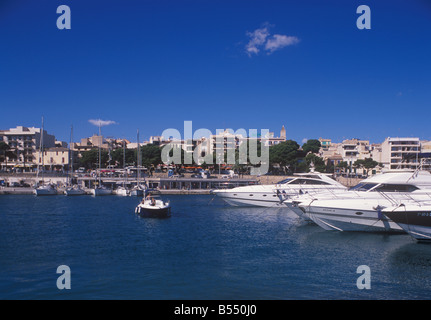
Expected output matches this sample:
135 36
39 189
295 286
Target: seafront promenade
23 184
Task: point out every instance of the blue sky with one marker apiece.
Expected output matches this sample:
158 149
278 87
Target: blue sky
151 65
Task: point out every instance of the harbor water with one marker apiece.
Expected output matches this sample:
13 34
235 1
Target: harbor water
206 250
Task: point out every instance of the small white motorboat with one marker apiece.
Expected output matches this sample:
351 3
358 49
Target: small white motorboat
74 191
122 191
45 190
137 191
154 207
101 191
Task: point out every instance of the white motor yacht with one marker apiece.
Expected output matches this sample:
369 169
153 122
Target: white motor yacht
273 195
414 218
360 209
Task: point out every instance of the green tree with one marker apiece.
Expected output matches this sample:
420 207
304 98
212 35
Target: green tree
151 155
285 155
311 145
4 148
343 165
118 157
318 162
90 159
367 164
6 152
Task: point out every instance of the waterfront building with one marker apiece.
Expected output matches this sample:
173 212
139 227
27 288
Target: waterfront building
97 141
23 143
55 159
354 149
401 153
270 140
325 144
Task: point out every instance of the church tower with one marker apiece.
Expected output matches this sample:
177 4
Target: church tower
283 133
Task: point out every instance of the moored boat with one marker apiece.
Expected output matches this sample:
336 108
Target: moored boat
122 191
74 191
274 195
359 209
415 219
153 207
137 191
101 191
45 190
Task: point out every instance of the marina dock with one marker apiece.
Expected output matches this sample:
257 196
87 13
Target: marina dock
23 184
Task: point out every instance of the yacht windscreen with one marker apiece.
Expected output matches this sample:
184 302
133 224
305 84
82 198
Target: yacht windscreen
396 188
363 186
284 181
308 181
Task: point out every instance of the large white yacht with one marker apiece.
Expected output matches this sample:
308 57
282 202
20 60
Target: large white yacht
414 218
273 195
360 208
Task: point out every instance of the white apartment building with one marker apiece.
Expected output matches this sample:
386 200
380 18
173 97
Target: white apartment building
354 149
401 153
393 153
24 142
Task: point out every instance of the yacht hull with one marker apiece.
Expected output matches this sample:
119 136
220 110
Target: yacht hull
45 192
122 192
351 220
298 211
101 192
272 195
153 213
250 199
136 193
74 192
417 223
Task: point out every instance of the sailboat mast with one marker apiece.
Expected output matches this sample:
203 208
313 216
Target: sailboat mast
139 161
41 150
124 163
70 157
100 154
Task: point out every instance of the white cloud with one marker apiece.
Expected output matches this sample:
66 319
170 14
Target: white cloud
278 41
304 140
101 123
257 39
261 39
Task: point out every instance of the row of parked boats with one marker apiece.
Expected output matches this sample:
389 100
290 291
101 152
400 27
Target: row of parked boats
151 206
75 190
394 201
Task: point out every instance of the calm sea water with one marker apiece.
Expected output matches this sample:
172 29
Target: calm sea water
206 250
